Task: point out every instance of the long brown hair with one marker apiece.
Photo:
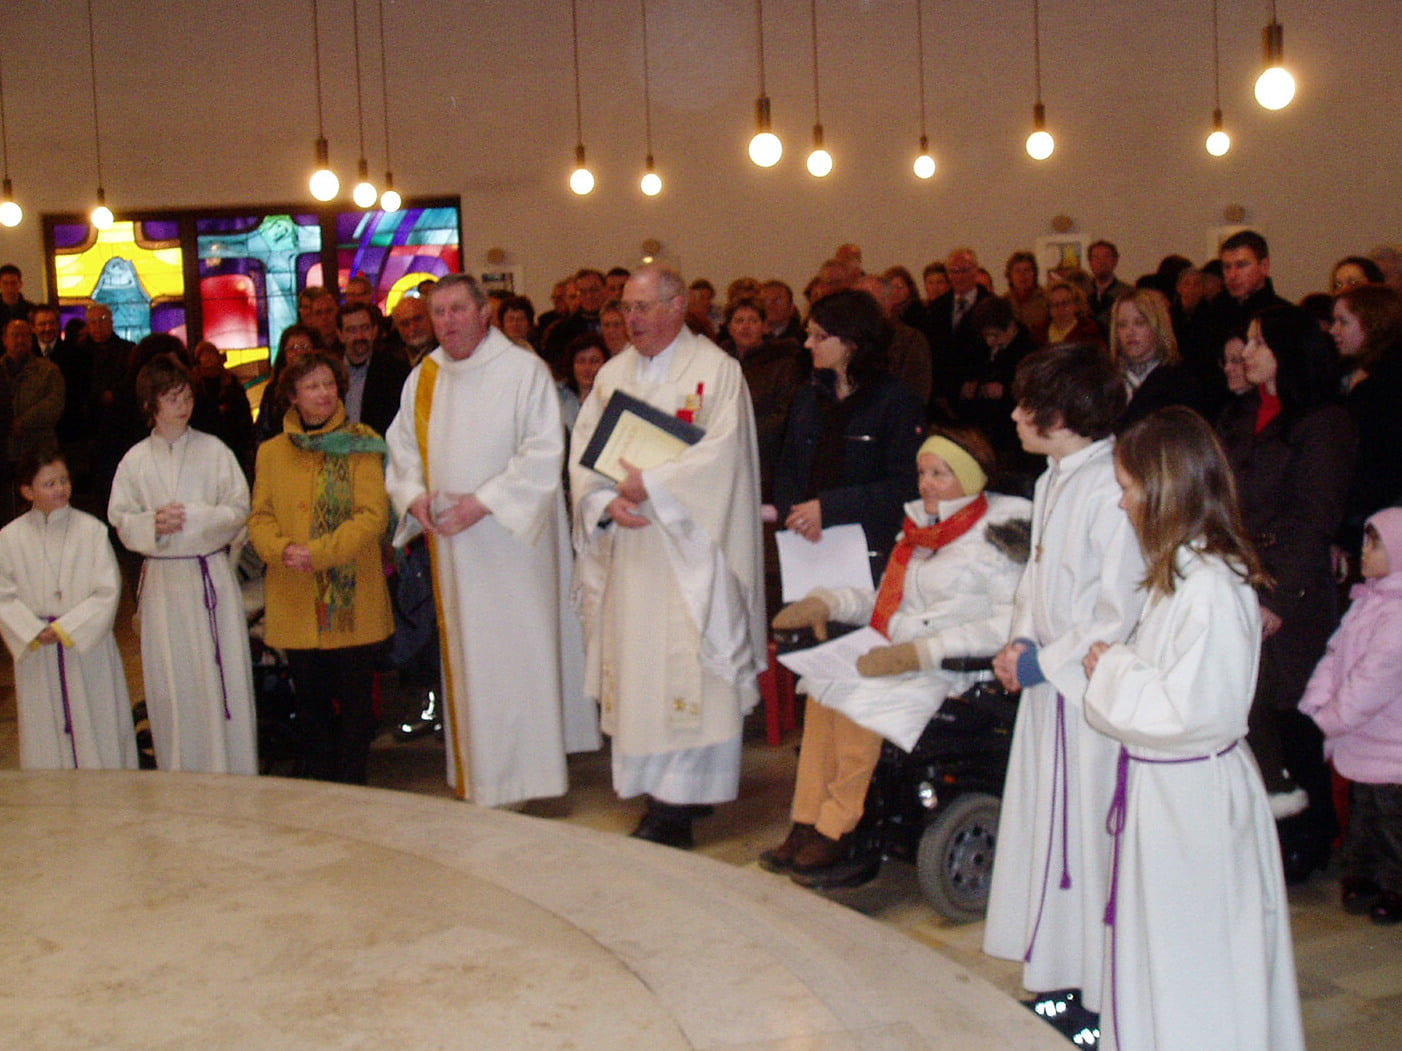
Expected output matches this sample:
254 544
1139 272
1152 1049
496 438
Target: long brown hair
1189 496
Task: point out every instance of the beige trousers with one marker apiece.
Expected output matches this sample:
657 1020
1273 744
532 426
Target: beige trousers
835 763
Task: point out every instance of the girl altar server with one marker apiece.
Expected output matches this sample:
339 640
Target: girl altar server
59 588
1198 952
180 499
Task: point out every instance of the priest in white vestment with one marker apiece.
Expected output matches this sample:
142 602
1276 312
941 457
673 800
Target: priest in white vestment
670 578
475 461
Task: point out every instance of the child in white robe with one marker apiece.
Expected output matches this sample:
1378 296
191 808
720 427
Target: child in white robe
180 499
59 589
1198 949
1047 895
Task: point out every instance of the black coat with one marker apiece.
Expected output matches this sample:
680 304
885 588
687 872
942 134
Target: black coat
1293 479
384 382
883 431
1376 407
954 350
1165 385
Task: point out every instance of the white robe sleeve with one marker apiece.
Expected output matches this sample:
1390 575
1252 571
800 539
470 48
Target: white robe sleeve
96 576
1185 681
522 496
405 478
18 623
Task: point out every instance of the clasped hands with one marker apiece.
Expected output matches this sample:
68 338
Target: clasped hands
454 513
170 519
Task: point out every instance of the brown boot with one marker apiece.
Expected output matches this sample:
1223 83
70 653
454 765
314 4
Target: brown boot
820 852
781 858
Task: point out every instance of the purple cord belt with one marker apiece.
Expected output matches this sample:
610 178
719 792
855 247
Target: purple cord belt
63 692
211 607
1115 822
1061 783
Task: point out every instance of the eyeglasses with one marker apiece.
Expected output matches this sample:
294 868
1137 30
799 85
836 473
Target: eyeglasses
642 306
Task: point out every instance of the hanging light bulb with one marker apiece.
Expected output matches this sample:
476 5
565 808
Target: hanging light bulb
364 195
925 163
10 213
765 147
820 160
651 182
390 201
1275 87
581 179
1040 144
324 183
1218 142
101 216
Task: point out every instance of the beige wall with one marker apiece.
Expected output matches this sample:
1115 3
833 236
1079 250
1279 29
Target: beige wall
482 102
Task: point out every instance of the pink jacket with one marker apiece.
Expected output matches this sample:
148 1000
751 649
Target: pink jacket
1355 693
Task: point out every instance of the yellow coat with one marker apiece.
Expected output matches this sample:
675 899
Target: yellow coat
284 488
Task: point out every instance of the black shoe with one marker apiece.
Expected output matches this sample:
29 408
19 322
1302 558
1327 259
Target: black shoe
1065 1013
850 872
666 831
428 721
1358 894
780 858
1388 909
1300 862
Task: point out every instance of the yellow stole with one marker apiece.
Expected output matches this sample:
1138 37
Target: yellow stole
458 729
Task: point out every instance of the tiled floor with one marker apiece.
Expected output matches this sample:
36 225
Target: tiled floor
1350 970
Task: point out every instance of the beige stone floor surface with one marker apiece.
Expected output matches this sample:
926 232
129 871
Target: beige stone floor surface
1350 970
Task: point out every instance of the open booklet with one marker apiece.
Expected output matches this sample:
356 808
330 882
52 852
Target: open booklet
631 429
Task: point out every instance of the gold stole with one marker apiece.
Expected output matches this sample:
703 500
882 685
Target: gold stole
458 735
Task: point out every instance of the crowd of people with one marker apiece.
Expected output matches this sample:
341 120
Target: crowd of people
1146 498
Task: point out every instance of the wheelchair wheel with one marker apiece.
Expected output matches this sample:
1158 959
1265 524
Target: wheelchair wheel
955 861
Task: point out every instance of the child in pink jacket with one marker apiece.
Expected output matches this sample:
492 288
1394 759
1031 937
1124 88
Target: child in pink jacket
1355 695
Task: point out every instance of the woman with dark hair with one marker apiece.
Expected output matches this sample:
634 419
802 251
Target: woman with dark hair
518 321
1354 270
296 341
905 297
1027 298
1291 445
849 449
320 512
1145 350
584 357
1367 329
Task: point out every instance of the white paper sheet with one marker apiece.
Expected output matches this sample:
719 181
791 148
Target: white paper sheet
835 660
838 560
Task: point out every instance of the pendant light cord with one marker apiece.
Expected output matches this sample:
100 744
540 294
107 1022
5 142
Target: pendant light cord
1216 63
316 68
759 23
1037 47
4 135
92 68
384 79
359 105
647 86
813 21
578 99
920 53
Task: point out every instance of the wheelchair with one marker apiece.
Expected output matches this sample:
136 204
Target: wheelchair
937 806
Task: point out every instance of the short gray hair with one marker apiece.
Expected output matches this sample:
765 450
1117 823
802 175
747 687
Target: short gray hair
467 281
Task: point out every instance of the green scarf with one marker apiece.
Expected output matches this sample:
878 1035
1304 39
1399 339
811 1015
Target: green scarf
332 506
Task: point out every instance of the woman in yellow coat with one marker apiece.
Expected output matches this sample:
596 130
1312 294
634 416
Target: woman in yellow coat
319 514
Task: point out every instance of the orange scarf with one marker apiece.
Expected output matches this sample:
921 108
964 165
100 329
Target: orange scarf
934 537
